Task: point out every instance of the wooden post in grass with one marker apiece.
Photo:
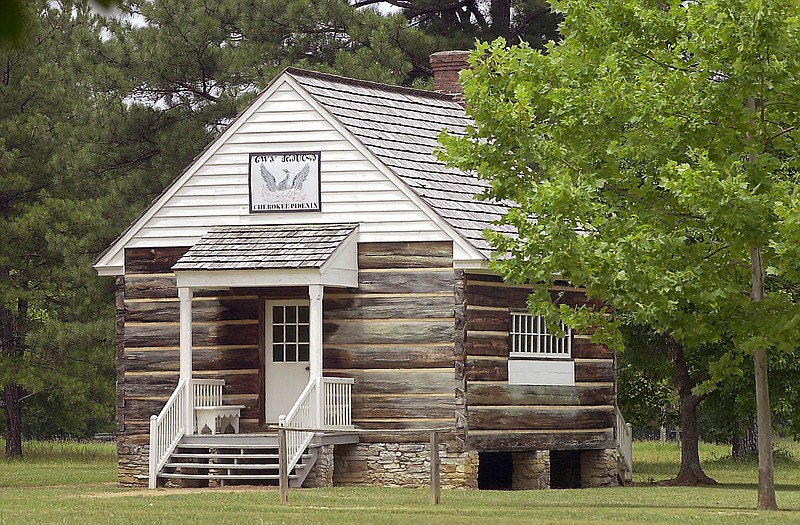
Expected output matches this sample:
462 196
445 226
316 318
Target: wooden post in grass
436 491
283 466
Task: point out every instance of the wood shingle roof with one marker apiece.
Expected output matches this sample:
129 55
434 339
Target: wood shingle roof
401 126
265 247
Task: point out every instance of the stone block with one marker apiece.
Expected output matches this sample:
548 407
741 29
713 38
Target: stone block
599 468
531 470
321 474
402 465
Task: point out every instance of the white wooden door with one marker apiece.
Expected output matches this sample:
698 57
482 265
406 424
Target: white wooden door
287 355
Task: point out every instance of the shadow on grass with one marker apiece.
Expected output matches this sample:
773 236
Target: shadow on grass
750 464
625 504
782 487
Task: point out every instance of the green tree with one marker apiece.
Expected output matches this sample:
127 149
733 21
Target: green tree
15 19
53 333
652 157
457 24
645 376
730 410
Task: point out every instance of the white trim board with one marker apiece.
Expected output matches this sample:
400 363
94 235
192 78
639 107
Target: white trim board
541 372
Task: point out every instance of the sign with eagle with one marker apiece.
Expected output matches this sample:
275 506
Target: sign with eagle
284 182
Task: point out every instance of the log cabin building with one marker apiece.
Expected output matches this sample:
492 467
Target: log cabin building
316 266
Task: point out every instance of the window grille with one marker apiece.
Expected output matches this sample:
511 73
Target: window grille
530 338
290 333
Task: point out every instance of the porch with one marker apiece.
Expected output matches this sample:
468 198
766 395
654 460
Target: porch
293 391
183 445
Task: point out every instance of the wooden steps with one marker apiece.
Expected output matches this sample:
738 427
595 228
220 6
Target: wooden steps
231 440
223 477
216 465
243 458
215 455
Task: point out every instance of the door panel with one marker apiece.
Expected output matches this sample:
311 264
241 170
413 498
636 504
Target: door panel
287 362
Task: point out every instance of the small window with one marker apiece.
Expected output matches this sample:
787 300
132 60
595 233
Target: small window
531 339
290 333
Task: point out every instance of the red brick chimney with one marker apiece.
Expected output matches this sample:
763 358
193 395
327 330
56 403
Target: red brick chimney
446 65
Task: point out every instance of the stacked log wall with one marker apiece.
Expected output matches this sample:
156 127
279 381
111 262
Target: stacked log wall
394 335
500 416
225 341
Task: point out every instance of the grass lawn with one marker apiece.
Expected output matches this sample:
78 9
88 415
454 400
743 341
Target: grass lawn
75 483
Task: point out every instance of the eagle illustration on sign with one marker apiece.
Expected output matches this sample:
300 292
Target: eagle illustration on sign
297 182
284 182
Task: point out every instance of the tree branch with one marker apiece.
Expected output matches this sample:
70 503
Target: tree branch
713 253
23 398
528 20
202 94
397 3
786 284
781 132
127 164
663 64
479 18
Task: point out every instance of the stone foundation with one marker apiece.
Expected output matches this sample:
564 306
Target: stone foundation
531 470
321 474
405 465
133 465
599 468
402 465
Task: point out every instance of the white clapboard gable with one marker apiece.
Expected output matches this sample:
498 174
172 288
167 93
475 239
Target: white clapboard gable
355 186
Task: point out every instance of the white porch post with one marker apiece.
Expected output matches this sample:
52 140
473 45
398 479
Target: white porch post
185 296
315 292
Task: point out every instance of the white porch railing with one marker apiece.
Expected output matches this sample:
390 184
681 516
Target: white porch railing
167 429
324 403
337 408
625 445
208 392
302 415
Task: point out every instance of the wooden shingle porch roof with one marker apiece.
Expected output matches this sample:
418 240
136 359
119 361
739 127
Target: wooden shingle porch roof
255 256
401 126
265 247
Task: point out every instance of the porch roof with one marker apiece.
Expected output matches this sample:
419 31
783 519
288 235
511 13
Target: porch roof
264 247
271 255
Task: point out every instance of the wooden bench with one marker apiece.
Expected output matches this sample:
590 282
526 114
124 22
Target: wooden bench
218 418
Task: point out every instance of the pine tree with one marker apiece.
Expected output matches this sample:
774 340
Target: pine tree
52 338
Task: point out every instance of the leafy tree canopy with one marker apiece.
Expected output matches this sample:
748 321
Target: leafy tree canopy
652 157
638 169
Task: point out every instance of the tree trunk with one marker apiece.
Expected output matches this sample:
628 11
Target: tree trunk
766 469
10 347
744 442
501 18
11 398
691 472
11 391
